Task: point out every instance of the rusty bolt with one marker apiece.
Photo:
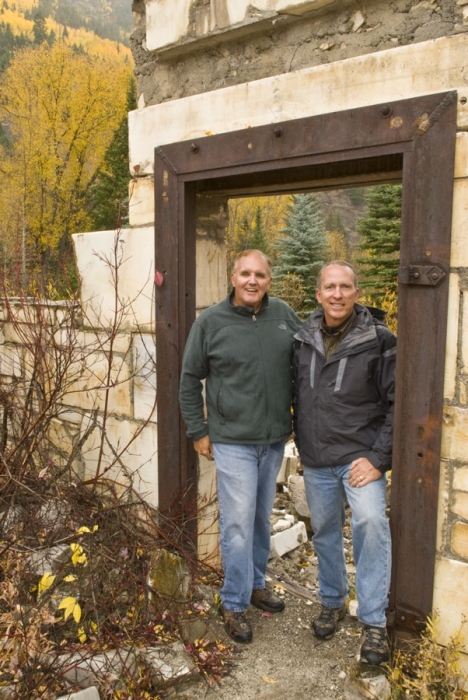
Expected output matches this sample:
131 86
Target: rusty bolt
279 131
385 112
416 275
435 275
195 148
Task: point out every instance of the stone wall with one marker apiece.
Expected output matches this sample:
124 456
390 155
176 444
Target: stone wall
221 66
206 45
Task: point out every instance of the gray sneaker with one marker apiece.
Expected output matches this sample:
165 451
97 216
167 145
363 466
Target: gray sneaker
326 624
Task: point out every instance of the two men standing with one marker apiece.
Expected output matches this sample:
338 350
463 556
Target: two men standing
344 362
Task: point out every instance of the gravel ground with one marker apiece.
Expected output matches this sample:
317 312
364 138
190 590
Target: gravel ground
285 660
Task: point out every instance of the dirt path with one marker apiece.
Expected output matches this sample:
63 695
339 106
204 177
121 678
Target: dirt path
285 660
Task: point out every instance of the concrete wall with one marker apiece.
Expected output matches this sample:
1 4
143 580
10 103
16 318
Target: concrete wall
224 66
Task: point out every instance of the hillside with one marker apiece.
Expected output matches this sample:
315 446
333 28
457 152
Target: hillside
96 26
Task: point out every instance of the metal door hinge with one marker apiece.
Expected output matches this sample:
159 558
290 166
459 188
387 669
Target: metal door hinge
428 275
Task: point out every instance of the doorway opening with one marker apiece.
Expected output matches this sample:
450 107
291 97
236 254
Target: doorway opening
410 141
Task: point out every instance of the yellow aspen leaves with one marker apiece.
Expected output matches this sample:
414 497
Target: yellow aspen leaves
45 583
62 109
84 529
70 606
78 554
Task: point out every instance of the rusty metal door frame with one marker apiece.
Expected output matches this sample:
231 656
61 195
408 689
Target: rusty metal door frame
409 140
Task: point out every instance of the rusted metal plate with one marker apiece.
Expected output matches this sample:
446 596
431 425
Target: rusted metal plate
415 137
426 275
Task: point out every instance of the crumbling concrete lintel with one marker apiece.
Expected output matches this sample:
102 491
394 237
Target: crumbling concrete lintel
220 22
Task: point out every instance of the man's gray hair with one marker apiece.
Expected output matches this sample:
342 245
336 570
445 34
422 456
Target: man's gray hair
249 251
343 263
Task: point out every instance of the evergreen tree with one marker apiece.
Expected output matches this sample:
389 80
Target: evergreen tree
380 239
302 252
258 239
108 197
39 28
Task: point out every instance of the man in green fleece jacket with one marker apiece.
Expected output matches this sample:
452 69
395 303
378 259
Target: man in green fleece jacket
243 348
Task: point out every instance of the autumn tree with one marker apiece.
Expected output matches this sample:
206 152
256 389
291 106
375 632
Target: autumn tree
254 222
302 251
380 240
61 110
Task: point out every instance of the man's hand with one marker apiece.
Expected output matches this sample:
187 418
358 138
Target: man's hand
203 447
362 472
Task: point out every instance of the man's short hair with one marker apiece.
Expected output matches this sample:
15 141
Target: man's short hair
343 263
249 251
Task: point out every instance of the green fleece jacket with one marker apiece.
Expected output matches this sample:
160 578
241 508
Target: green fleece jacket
246 360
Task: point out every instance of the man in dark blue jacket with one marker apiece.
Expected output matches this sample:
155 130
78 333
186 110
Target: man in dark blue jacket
243 348
344 362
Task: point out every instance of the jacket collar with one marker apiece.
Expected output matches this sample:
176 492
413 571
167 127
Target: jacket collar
247 310
362 332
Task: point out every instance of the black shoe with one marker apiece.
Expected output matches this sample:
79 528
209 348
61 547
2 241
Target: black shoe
264 599
236 625
326 624
374 647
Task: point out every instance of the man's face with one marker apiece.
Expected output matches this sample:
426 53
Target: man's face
251 278
337 294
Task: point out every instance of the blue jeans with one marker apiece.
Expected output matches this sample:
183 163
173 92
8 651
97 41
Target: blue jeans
246 492
327 489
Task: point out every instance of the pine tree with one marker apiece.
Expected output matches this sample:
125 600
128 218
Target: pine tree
302 252
380 239
39 28
108 197
258 239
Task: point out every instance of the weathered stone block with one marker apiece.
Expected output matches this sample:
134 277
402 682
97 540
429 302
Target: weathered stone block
144 382
459 247
211 276
88 694
461 155
10 360
166 27
49 560
85 670
91 379
451 348
454 433
290 464
136 448
288 540
169 576
163 25
376 688
299 505
450 595
442 506
460 506
460 539
141 205
400 73
132 251
464 344
170 662
460 479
